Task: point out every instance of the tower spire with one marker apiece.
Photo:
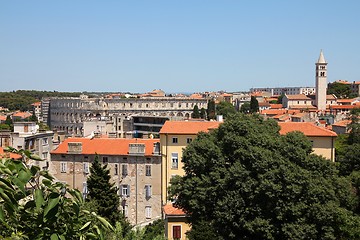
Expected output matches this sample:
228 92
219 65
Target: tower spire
321 57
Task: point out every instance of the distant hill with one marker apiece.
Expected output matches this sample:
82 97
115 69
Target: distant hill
22 99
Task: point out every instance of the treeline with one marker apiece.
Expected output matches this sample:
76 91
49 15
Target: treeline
22 99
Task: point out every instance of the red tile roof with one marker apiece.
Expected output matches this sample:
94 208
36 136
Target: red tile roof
273 111
309 129
298 97
187 127
22 114
276 106
346 100
36 104
343 123
2 118
343 106
4 154
170 210
106 146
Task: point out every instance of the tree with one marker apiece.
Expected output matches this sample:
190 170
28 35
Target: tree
211 110
254 105
280 98
33 206
340 90
247 181
103 193
245 108
225 109
155 229
195 113
202 113
354 134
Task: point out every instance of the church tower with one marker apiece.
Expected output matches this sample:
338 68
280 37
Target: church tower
321 82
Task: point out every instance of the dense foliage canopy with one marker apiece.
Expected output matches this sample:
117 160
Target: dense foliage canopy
246 181
22 99
33 206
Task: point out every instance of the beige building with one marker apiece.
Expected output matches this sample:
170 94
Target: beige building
135 168
174 137
176 223
323 140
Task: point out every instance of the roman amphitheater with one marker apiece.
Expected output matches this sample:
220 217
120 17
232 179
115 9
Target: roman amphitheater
69 114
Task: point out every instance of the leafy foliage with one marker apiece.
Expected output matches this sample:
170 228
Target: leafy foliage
32 206
202 113
211 110
104 195
225 109
247 181
195 113
254 105
340 90
245 108
22 99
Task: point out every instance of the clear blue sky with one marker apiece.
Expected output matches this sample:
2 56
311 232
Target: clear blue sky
178 46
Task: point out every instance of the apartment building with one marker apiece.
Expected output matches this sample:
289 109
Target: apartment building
135 168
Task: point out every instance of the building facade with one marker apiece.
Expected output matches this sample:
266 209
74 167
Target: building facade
174 137
286 90
68 114
135 169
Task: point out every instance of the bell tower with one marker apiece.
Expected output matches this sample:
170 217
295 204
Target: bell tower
321 82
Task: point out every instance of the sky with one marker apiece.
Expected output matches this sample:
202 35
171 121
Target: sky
173 45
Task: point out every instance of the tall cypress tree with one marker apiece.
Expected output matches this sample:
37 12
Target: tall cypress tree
103 193
254 104
195 113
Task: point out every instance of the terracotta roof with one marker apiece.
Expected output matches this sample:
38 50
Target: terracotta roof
2 118
226 95
22 114
342 106
298 97
346 100
4 154
36 104
273 111
264 104
330 97
196 96
303 107
170 210
309 129
106 146
343 81
276 106
342 123
187 127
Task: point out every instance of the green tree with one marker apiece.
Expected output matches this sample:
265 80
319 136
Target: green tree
195 113
225 109
340 90
245 108
33 118
154 230
103 193
247 181
202 113
33 206
280 98
354 135
210 112
254 105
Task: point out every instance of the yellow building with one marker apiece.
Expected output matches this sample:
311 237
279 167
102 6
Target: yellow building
174 137
322 139
176 224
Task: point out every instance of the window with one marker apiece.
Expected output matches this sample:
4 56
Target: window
148 191
148 170
188 140
174 160
124 170
176 232
175 140
116 169
44 141
86 167
85 190
125 190
148 211
125 210
63 167
45 155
